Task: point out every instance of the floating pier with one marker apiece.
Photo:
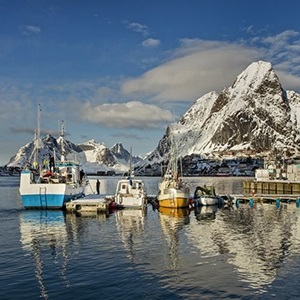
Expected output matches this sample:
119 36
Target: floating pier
90 203
276 187
267 198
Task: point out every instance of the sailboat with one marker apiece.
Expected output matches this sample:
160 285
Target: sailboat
130 192
173 191
50 187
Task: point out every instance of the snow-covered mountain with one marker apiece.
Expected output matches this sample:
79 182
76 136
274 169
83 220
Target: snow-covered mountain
255 113
94 157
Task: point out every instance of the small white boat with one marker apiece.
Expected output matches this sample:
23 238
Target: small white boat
205 196
206 200
50 188
130 192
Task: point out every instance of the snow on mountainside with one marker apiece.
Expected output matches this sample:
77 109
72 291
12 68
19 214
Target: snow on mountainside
255 113
92 156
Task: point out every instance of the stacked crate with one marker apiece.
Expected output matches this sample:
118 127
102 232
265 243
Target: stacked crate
262 174
293 172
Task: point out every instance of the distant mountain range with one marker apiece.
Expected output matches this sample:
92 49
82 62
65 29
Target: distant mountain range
255 115
94 157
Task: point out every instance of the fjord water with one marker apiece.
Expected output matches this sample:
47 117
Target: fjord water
211 253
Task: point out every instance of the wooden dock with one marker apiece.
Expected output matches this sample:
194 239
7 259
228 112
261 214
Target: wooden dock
278 187
90 203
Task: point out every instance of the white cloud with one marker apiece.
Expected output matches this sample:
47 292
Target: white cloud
281 39
133 114
191 70
31 29
151 43
195 68
137 27
201 66
288 80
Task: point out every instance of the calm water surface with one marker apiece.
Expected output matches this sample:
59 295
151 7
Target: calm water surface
212 253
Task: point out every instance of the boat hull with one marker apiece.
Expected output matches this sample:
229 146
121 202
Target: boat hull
47 195
127 201
47 201
206 201
174 198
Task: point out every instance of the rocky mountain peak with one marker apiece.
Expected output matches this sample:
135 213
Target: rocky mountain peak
253 114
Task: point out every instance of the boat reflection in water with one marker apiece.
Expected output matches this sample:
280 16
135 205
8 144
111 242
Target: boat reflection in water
41 232
206 212
256 241
130 225
172 221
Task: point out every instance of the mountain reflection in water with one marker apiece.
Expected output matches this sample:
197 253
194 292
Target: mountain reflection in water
257 240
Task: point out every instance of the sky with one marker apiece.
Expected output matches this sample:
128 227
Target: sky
121 71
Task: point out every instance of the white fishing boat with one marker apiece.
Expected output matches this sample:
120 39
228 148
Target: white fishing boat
52 186
130 192
173 191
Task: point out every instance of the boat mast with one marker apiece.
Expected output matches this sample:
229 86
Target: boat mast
174 156
38 143
62 144
38 125
130 164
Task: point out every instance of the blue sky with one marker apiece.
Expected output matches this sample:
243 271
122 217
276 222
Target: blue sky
120 71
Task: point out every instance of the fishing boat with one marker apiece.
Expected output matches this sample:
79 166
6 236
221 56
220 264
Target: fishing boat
173 191
50 187
130 192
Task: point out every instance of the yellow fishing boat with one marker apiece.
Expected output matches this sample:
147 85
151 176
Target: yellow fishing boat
173 191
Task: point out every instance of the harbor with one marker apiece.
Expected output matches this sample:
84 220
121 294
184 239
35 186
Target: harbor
82 255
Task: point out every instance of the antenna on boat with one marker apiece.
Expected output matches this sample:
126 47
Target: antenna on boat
62 144
38 125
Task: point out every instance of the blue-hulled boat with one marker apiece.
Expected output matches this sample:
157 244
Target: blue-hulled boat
50 188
